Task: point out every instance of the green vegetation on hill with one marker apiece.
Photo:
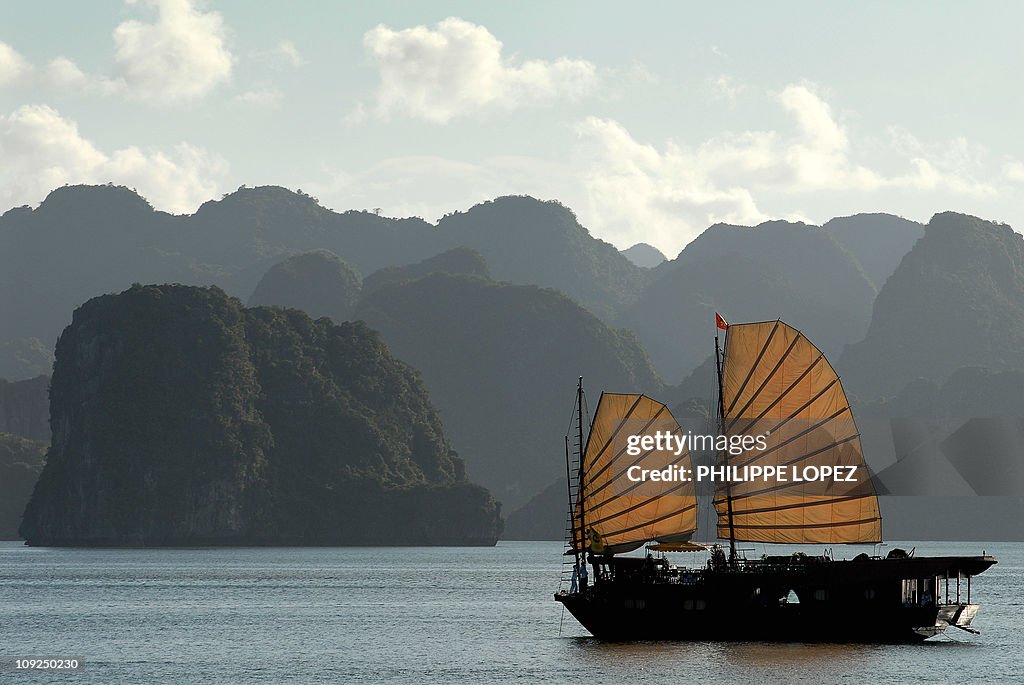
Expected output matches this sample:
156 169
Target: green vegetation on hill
501 363
459 260
181 418
956 299
530 242
319 283
84 241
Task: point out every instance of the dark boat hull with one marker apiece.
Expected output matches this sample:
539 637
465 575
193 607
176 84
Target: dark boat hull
845 601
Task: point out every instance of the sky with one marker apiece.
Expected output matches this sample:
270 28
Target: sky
651 122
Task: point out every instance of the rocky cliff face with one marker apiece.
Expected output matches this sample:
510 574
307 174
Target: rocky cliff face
179 417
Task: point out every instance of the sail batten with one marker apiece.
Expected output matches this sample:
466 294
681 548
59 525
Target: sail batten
614 459
624 513
618 493
777 384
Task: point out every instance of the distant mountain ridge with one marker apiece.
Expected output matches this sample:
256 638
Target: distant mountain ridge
501 362
877 241
776 269
955 300
25 408
84 241
644 255
319 283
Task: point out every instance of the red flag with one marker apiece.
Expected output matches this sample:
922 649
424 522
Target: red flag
721 322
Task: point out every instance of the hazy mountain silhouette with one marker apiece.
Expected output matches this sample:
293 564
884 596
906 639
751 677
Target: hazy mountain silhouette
956 299
539 518
25 408
877 241
25 358
775 270
21 460
319 283
501 363
84 241
644 255
459 260
181 418
528 241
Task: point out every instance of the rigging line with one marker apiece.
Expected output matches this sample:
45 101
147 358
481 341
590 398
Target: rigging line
618 454
788 390
572 415
622 422
761 454
753 366
798 505
615 477
783 421
651 522
761 387
654 498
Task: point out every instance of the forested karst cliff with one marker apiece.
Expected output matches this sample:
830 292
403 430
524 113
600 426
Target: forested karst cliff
180 417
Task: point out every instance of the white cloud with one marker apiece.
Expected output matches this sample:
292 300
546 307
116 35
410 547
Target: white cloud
42 150
269 97
12 65
458 68
637 193
1014 171
287 51
724 87
180 56
667 195
63 74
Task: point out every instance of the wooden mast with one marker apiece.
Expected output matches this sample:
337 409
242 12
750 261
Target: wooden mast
725 454
579 487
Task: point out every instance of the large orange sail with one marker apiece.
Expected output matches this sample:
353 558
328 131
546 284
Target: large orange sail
777 384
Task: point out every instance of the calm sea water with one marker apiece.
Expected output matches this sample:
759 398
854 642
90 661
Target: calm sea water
428 615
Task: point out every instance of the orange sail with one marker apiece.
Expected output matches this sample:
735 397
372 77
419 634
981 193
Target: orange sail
777 384
616 511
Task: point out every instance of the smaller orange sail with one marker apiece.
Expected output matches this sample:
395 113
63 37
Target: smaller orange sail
619 507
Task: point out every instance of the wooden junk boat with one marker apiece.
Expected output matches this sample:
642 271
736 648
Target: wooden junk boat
772 382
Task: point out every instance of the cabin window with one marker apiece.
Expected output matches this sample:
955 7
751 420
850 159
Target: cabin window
688 605
869 593
636 603
910 592
701 605
820 595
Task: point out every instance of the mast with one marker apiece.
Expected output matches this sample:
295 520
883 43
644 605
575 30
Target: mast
572 504
725 454
579 488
